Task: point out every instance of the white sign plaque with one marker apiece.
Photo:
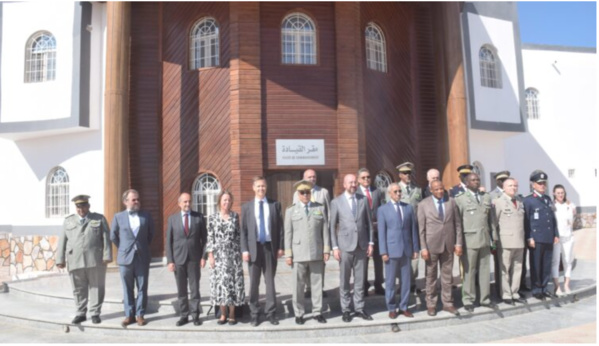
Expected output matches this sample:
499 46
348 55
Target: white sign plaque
300 152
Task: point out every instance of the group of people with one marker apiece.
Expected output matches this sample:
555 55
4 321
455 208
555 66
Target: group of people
396 227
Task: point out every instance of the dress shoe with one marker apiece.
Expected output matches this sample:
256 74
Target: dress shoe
490 305
181 322
558 292
364 315
508 301
307 294
406 313
299 320
392 315
452 310
141 321
96 319
379 290
346 317
549 294
469 308
325 294
539 296
431 311
524 288
521 300
254 322
273 320
320 319
232 321
197 321
127 321
223 321
78 319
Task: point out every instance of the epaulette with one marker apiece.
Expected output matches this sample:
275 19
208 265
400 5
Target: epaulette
291 206
459 194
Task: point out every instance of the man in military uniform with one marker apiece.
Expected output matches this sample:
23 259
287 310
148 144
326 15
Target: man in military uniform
463 170
85 247
306 249
541 233
496 193
412 195
475 211
499 180
509 222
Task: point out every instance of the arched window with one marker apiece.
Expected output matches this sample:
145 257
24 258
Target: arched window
376 51
203 44
205 194
57 193
490 72
40 58
532 103
382 180
298 40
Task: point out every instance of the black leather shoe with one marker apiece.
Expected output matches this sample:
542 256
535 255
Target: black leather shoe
364 315
524 288
508 301
549 294
182 321
379 290
78 319
308 294
299 320
273 320
539 296
96 320
254 322
325 294
520 300
197 321
469 308
320 319
346 317
221 322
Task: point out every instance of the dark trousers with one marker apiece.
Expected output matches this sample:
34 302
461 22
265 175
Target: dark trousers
184 274
265 264
524 256
398 268
540 267
135 274
378 266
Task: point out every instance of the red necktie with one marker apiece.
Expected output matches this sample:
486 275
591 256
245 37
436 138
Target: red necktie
369 197
515 203
186 226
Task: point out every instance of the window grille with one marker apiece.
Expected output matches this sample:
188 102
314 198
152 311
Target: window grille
298 40
532 104
203 44
40 58
205 194
57 193
376 52
382 181
490 72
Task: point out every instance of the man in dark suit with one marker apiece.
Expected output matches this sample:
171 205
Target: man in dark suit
185 241
261 245
463 170
351 238
132 231
375 198
399 243
440 231
540 227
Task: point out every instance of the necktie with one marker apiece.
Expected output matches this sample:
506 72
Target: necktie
408 189
82 221
307 211
477 198
515 203
132 212
441 215
262 226
369 197
353 205
186 226
399 213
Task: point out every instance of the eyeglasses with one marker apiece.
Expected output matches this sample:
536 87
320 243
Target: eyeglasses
396 191
305 192
366 177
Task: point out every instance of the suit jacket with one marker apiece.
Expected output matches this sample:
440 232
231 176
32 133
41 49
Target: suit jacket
477 223
320 195
249 228
509 221
378 198
438 236
181 248
349 232
122 236
456 190
539 219
395 239
306 236
84 246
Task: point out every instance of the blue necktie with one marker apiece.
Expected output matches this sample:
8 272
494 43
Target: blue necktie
262 227
399 213
353 206
441 215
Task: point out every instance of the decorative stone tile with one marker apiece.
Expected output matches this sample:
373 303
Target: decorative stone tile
5 253
28 247
27 261
53 242
48 255
45 244
19 256
40 264
36 239
4 244
50 264
35 253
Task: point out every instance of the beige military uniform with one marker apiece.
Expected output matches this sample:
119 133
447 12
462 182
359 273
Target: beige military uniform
85 246
413 197
306 242
509 221
477 226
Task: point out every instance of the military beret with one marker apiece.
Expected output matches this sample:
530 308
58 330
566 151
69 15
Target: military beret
538 176
80 199
502 175
405 167
303 185
464 169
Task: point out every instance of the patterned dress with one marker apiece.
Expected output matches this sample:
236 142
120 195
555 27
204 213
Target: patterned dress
226 279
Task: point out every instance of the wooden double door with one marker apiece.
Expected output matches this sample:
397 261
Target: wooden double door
280 184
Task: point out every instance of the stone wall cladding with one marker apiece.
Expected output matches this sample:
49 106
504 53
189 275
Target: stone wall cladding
27 254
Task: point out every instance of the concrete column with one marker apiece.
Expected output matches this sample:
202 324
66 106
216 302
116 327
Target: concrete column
116 106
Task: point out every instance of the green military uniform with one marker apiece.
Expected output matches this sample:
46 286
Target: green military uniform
477 226
306 242
85 245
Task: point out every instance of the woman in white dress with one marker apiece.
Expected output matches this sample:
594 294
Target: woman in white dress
564 213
